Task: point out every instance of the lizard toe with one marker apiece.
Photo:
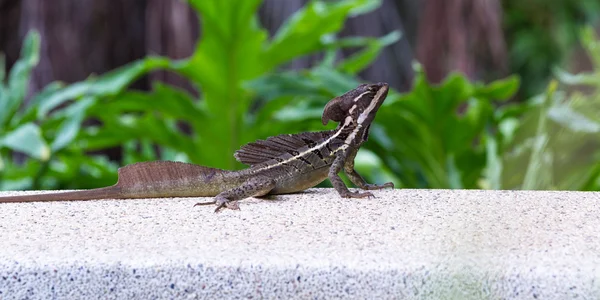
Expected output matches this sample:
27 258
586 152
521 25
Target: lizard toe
232 205
204 203
379 186
358 195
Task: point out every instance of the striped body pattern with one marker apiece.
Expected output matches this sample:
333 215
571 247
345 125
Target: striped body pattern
281 164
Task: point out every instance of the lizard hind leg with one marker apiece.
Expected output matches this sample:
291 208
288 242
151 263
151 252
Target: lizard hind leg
253 187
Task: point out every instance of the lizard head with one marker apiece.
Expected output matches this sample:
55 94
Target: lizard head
361 104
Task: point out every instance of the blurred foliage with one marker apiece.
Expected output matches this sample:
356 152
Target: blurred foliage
541 33
556 144
206 130
432 136
51 137
450 135
436 136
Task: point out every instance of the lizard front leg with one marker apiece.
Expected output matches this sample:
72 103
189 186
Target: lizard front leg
357 179
337 182
253 187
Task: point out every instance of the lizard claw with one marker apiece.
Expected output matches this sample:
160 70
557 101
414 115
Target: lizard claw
219 208
204 203
222 203
358 195
230 204
388 185
379 186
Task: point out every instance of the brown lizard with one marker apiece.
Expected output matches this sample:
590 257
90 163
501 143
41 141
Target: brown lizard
281 164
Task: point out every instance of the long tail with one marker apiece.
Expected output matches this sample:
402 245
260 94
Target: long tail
110 192
146 180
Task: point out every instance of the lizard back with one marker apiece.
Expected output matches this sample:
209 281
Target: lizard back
298 161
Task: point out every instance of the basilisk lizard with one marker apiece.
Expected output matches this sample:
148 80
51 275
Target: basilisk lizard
281 164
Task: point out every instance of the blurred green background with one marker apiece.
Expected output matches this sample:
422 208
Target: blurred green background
486 94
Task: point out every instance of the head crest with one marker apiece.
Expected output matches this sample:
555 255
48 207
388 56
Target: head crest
335 110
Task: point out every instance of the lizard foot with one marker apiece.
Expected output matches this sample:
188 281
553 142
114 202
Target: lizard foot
358 195
221 203
369 186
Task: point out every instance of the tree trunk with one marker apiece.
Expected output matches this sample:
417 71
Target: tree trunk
462 35
83 37
172 31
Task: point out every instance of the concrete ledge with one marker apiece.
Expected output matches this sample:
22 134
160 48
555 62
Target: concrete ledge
415 244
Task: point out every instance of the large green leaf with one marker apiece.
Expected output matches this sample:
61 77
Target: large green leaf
108 84
362 59
501 89
235 49
13 94
303 33
27 139
70 127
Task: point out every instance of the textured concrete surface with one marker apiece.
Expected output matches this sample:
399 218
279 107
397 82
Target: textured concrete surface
413 244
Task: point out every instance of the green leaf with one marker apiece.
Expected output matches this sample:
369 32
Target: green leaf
493 166
108 84
583 78
301 34
365 7
538 173
132 153
13 94
591 43
569 118
121 129
539 170
500 89
592 182
27 139
335 83
229 53
164 100
454 174
287 83
71 170
30 113
71 125
364 58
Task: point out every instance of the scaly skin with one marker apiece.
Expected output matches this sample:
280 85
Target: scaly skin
279 165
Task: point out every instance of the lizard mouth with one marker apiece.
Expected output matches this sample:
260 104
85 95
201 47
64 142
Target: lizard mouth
379 91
